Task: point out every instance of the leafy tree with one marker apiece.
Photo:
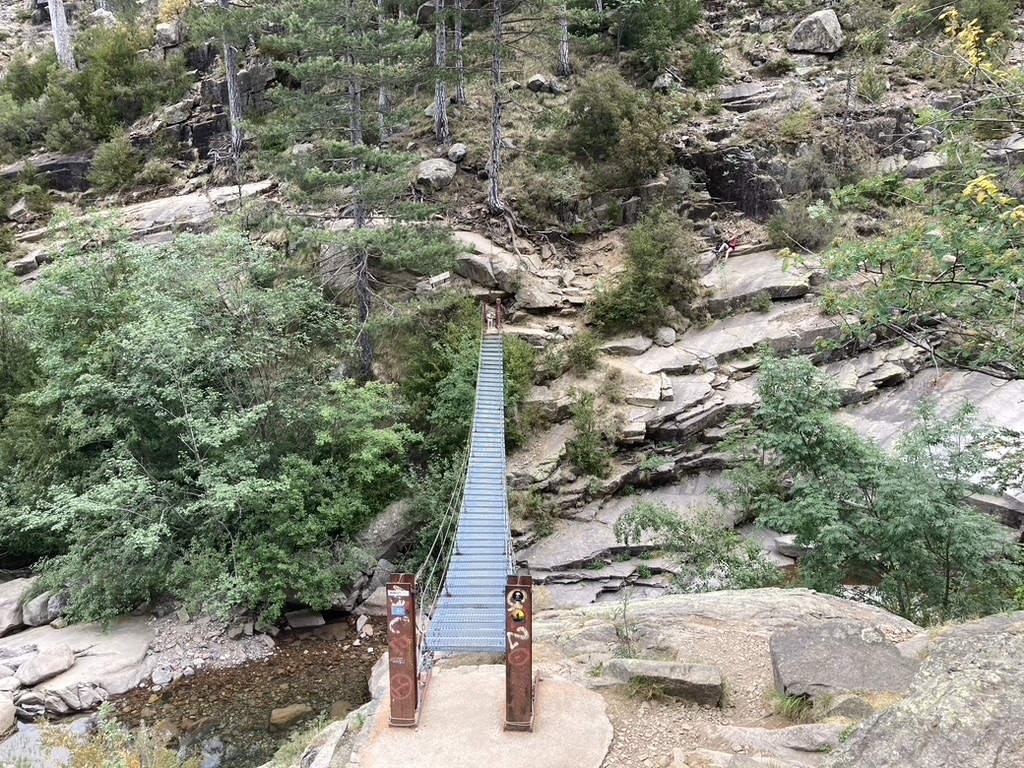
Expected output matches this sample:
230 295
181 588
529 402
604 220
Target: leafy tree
899 522
711 555
185 430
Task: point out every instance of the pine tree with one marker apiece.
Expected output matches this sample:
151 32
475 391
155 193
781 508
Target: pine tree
336 52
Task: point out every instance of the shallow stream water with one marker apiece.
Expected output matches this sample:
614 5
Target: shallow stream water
321 667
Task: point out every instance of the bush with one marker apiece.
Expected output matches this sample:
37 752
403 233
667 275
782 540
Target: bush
795 228
27 77
610 121
583 351
653 27
705 67
115 165
590 448
661 279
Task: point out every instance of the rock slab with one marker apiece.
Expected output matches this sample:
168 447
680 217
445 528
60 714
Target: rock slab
965 707
699 683
46 665
838 657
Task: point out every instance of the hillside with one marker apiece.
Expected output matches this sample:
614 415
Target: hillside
758 263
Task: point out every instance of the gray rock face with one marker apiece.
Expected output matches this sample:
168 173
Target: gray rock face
634 345
699 683
802 744
36 611
46 665
11 596
965 707
818 33
739 281
436 173
665 337
838 657
538 83
926 165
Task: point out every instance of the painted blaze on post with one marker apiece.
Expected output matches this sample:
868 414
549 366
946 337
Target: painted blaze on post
402 667
519 654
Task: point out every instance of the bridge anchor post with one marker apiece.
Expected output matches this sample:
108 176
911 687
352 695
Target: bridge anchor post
520 682
402 663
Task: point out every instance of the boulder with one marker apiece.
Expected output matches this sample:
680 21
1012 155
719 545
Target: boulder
285 717
926 165
802 744
538 83
965 707
8 714
665 337
435 174
699 683
818 33
457 152
45 665
838 657
663 83
12 594
166 35
476 268
36 611
304 618
634 345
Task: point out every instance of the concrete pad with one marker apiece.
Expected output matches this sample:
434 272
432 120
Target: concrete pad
461 727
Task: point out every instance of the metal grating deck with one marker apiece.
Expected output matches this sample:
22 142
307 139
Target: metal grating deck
470 613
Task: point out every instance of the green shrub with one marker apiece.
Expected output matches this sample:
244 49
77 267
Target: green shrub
590 448
583 351
611 121
705 67
27 77
652 28
872 85
115 165
795 228
660 281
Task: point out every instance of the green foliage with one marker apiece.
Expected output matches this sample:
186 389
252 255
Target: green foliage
590 449
704 69
110 745
956 267
533 506
115 165
183 429
796 229
872 85
710 554
652 28
798 709
613 123
896 521
583 352
519 365
646 689
70 111
661 280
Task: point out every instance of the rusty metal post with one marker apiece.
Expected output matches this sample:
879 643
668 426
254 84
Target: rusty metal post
520 684
402 664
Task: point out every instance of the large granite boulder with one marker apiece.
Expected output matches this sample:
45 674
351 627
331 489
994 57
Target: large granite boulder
965 707
838 657
818 33
436 173
36 612
12 595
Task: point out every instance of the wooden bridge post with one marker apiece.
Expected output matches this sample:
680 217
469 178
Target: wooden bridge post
402 662
520 683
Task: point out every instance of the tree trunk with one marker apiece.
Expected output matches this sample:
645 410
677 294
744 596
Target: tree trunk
460 64
442 129
494 201
364 292
599 6
384 95
62 35
234 100
564 66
